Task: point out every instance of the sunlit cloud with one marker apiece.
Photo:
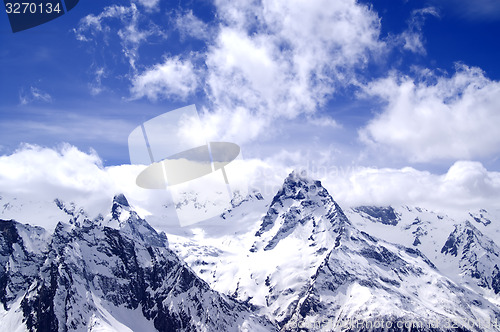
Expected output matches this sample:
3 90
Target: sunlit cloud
174 78
436 117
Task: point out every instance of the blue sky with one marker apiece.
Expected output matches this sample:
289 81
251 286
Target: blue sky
389 83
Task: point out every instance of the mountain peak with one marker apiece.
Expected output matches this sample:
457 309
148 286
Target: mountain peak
477 256
120 204
120 199
299 186
301 205
301 179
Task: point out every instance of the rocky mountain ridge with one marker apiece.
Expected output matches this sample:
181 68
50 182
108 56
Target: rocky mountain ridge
91 276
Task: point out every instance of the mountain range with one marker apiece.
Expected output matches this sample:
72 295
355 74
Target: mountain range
298 262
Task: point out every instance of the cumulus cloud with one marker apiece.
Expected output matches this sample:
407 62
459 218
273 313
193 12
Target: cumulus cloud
36 169
281 59
174 78
436 117
263 60
466 185
34 176
262 65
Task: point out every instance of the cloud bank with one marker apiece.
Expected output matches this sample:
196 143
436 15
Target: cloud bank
72 175
435 117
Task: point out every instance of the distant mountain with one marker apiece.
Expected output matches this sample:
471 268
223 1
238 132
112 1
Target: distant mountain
476 256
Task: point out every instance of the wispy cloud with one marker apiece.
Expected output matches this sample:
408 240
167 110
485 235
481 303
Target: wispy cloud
34 95
134 31
69 127
323 121
96 86
151 5
412 39
190 25
479 10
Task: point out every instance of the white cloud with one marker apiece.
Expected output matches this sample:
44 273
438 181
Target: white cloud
466 185
412 39
134 31
190 25
436 117
39 171
285 58
94 24
151 5
34 95
264 60
34 174
174 78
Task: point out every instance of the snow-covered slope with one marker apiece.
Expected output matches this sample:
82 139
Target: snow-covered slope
463 248
304 263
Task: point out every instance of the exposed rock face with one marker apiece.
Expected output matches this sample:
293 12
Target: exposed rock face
477 256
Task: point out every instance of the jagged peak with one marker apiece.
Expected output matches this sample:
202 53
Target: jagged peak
481 217
301 179
120 199
299 186
464 235
297 202
120 203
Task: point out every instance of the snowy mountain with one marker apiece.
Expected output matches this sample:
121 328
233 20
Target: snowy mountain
91 276
464 250
298 262
476 256
308 266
